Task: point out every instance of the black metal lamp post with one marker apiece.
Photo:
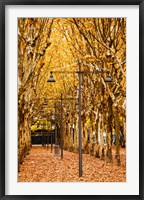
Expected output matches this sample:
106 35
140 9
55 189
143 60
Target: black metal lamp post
61 134
79 124
107 79
42 111
51 133
53 119
55 124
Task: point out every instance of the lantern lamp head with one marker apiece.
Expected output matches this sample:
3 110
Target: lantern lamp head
108 79
51 78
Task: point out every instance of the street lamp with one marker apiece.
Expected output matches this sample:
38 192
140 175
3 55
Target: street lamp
107 79
51 78
54 117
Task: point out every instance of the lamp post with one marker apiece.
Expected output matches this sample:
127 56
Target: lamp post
107 79
61 109
73 126
61 128
47 139
42 113
55 124
61 134
53 119
51 132
79 124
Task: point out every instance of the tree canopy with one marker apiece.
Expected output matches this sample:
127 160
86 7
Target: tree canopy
58 45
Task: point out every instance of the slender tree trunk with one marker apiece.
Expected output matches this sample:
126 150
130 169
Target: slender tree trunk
117 129
97 132
101 127
124 130
109 132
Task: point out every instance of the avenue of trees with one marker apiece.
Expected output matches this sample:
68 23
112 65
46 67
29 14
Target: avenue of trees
58 44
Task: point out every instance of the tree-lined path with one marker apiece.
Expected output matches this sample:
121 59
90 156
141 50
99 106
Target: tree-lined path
82 106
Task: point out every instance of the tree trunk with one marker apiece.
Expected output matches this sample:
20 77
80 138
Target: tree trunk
124 130
102 156
109 132
117 129
97 153
24 137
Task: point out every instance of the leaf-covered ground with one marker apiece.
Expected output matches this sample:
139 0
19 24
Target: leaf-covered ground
43 166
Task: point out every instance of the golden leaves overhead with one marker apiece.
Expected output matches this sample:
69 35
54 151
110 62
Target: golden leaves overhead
46 44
